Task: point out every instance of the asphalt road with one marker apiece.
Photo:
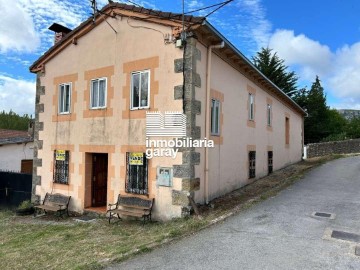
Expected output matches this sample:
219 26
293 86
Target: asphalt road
279 233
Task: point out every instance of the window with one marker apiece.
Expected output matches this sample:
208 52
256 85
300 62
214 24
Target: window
64 98
270 162
98 93
251 106
269 115
61 166
215 117
252 163
287 130
136 173
140 89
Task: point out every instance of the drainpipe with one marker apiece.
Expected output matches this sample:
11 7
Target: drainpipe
207 115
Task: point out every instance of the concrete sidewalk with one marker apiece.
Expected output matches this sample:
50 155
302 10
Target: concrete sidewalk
279 233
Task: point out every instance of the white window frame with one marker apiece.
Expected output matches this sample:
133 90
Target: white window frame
98 93
269 112
215 103
62 106
251 107
132 94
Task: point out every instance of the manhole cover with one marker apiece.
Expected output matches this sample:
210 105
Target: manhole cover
357 250
319 214
353 237
85 218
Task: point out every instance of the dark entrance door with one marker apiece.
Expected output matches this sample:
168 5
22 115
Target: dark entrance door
99 179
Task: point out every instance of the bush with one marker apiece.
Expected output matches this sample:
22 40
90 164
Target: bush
25 205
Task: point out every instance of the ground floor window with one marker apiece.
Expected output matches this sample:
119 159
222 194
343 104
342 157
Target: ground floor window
270 162
252 160
136 173
61 166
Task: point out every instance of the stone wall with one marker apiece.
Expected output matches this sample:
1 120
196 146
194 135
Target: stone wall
328 148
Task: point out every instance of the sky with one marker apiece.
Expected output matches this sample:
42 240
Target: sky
319 37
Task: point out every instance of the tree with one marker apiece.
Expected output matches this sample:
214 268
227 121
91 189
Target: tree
275 70
353 128
14 121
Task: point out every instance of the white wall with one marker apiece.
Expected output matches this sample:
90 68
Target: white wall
12 154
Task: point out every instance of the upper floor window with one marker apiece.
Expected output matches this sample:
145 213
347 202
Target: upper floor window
98 93
215 117
269 109
140 89
251 106
64 98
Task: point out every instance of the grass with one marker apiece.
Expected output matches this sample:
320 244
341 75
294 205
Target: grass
44 243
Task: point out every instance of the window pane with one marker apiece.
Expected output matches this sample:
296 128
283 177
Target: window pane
94 93
67 98
61 98
212 116
102 90
135 90
144 88
217 118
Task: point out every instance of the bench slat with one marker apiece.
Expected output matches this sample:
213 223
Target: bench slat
132 206
128 213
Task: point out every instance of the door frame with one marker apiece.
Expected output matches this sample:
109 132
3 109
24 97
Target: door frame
93 156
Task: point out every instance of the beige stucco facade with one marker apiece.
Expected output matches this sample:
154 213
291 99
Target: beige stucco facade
228 160
116 129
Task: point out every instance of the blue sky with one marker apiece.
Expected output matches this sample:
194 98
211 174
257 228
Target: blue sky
319 37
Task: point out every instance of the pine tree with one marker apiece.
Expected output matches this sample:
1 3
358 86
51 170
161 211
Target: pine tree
316 124
13 121
275 70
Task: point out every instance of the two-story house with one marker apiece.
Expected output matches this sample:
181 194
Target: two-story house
96 84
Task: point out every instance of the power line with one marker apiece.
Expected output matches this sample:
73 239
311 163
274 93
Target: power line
222 5
204 8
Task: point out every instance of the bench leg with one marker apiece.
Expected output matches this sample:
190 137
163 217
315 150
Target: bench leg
110 216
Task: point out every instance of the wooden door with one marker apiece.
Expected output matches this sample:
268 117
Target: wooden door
99 179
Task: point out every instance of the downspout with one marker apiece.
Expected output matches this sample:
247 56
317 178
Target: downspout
208 117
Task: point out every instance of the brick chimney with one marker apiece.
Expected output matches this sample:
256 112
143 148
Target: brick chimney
60 31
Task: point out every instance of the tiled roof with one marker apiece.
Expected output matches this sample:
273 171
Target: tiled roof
151 13
8 136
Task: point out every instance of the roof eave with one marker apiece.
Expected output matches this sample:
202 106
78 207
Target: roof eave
244 58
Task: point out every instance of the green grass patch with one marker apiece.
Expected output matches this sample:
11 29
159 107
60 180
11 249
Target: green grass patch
45 243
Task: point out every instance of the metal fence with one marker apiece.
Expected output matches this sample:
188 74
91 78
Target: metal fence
14 188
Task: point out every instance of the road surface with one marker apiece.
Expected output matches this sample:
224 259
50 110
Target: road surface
279 233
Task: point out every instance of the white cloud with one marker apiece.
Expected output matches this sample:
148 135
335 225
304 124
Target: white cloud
24 24
345 80
251 23
46 12
314 58
17 30
17 95
339 71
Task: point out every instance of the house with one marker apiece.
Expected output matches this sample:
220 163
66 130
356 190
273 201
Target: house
16 151
98 84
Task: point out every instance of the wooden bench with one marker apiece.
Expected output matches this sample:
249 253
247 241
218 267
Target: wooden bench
131 206
57 203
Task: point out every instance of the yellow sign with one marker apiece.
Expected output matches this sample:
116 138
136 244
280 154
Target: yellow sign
60 155
136 159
